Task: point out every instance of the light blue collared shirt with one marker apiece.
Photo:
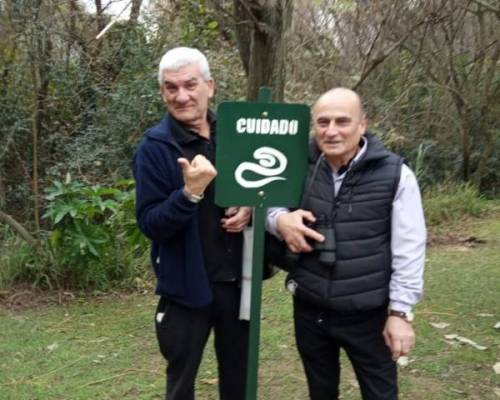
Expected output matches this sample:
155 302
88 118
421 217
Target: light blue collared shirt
408 236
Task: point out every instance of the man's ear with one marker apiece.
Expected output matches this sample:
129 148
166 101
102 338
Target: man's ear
211 88
161 95
363 123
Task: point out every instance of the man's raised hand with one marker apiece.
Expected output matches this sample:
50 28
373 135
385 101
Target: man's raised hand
197 174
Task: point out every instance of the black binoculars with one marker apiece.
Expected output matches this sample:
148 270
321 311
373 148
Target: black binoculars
326 249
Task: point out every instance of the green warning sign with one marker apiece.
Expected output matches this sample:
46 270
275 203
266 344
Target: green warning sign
261 156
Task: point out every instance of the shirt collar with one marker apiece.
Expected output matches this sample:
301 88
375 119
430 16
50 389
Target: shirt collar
183 135
363 144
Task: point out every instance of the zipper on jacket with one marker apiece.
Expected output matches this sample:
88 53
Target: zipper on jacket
333 214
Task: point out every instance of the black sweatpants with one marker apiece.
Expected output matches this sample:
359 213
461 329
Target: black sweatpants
320 334
183 333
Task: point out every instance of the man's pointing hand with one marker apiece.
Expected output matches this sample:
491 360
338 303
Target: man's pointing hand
197 174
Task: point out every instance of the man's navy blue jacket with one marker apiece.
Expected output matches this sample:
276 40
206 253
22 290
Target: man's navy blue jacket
169 219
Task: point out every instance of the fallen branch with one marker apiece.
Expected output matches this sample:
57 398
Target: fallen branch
16 226
66 366
437 313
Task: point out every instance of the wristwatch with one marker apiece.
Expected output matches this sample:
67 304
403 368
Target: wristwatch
407 316
193 198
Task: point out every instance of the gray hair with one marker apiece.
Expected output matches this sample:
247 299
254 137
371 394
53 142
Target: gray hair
179 57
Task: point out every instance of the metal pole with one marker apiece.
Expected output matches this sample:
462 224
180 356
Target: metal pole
259 215
255 304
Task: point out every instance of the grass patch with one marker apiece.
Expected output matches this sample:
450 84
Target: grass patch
452 202
106 349
12 262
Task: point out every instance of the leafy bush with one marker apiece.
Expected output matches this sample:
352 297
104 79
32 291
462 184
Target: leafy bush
451 202
94 240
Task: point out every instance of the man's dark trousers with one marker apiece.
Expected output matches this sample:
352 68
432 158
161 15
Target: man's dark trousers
321 333
183 333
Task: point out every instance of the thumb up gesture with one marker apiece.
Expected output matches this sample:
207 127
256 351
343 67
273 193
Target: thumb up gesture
197 174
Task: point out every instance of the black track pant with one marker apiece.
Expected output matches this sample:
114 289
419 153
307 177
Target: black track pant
321 333
182 336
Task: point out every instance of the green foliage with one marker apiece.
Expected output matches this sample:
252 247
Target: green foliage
15 256
94 240
452 202
22 264
199 26
78 215
117 102
418 162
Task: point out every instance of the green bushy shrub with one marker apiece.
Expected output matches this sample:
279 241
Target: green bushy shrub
451 202
94 241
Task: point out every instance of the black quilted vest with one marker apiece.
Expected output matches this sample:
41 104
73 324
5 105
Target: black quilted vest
361 219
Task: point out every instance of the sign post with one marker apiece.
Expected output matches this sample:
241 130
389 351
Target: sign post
261 158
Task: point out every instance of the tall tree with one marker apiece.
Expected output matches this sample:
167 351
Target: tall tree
262 28
39 48
460 56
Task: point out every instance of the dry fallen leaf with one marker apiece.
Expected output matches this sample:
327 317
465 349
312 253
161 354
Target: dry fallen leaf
439 325
496 368
403 361
497 391
471 342
465 340
52 347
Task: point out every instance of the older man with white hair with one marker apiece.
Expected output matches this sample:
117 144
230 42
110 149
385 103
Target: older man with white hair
196 245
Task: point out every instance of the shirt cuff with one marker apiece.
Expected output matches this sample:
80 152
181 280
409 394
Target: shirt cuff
272 219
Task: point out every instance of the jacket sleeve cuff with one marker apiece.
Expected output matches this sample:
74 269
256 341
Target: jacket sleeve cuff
183 202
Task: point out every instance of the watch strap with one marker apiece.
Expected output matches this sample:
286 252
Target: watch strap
408 317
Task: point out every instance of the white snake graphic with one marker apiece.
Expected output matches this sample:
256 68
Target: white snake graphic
267 157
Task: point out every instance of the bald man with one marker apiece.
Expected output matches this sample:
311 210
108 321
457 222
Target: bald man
358 251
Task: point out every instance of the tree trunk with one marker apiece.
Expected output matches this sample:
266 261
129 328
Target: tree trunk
483 160
18 228
41 50
135 11
261 31
465 154
2 191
